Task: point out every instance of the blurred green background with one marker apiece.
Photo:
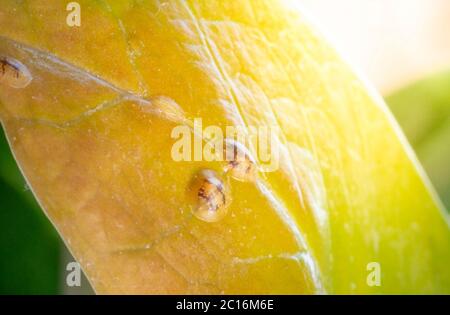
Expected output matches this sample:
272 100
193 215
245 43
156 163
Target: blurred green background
33 258
30 248
423 112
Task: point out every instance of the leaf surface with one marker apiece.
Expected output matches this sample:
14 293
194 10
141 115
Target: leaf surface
92 134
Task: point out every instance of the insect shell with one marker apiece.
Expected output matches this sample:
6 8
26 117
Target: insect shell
240 164
14 73
211 196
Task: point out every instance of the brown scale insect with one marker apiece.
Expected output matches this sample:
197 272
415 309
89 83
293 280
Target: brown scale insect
241 165
14 73
211 196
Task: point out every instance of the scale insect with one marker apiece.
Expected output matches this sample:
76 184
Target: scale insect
14 73
240 164
211 196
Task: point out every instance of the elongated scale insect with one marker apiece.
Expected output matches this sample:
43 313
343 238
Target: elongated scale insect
211 196
14 73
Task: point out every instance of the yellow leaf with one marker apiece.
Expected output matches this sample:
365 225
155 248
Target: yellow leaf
92 132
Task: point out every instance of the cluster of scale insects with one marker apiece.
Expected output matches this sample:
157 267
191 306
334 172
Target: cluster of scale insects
211 192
